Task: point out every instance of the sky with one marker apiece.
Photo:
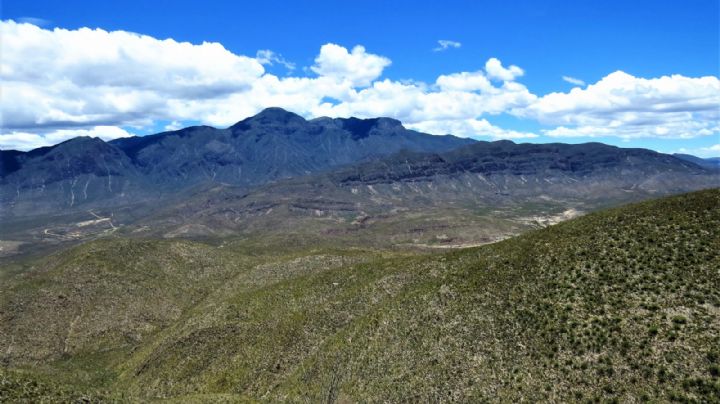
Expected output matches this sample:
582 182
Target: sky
629 73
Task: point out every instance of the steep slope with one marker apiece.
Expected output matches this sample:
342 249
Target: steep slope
271 145
617 305
80 171
501 187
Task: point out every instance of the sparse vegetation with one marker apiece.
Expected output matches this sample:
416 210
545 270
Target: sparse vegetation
617 306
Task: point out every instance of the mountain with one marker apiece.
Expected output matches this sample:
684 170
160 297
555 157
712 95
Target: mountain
472 194
618 305
81 171
273 144
280 175
88 173
710 162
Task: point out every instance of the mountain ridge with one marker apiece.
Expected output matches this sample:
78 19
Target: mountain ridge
270 145
323 175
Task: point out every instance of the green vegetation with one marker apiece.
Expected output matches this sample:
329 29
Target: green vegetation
620 305
19 387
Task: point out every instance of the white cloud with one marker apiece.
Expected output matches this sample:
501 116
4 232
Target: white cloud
268 57
465 81
415 102
704 152
59 80
444 44
470 128
630 107
90 77
174 125
496 71
358 67
573 80
27 141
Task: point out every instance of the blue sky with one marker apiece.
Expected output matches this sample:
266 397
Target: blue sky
585 40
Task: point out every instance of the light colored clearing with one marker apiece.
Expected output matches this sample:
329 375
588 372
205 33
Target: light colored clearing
9 247
92 222
190 230
141 229
550 219
453 246
100 219
47 232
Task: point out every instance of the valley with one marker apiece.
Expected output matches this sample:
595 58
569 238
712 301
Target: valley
349 260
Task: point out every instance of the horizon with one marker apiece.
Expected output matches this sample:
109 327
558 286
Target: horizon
646 77
514 141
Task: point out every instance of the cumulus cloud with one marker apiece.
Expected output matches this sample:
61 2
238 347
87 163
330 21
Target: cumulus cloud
464 81
470 128
444 44
55 81
268 57
496 71
630 107
91 77
174 125
704 152
357 67
573 80
416 102
26 141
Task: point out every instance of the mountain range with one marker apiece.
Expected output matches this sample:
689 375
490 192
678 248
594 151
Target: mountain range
277 167
87 172
353 260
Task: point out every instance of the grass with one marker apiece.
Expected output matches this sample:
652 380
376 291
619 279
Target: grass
619 305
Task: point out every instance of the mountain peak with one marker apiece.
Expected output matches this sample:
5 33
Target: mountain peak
276 115
80 144
269 116
82 140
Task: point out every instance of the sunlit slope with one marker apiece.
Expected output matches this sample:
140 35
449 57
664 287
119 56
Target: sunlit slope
623 303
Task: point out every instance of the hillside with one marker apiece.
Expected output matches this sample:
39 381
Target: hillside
619 305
